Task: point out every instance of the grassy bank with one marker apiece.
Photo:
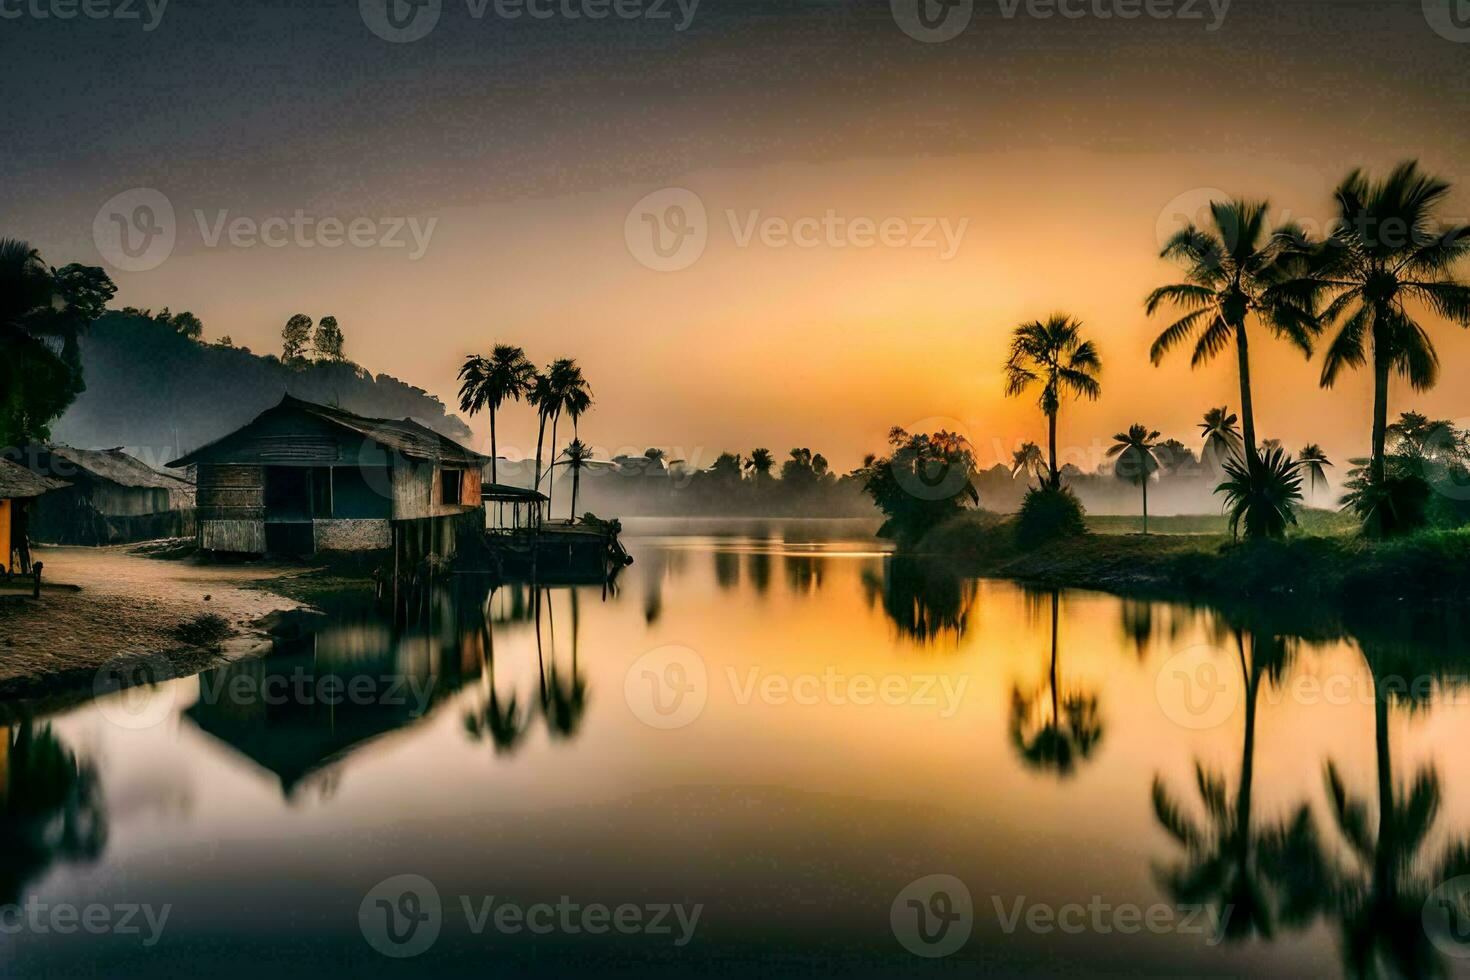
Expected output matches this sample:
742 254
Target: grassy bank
1431 565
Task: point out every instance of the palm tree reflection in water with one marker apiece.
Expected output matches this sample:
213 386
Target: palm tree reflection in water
1229 866
1053 730
926 601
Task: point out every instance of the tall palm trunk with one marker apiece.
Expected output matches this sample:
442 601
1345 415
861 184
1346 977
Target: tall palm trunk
540 437
1247 406
1380 409
1247 757
551 467
576 481
493 453
1056 477
1385 855
1055 605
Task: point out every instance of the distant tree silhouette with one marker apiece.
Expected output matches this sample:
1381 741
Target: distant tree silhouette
1054 355
760 463
328 340
1221 435
489 382
1134 451
1315 462
295 337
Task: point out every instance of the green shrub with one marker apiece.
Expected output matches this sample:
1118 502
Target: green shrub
1049 514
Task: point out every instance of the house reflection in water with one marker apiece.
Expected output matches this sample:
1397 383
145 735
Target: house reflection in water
332 693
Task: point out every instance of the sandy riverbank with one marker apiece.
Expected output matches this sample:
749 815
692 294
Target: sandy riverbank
127 605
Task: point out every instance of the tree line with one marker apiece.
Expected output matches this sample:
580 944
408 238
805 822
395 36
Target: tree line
1386 260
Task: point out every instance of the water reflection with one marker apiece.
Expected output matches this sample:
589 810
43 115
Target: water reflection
1314 831
1052 728
1226 866
1374 881
352 679
926 601
51 807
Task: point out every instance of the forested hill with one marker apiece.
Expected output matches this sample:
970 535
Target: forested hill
159 393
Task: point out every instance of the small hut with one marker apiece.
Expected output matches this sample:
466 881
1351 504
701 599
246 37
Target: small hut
111 497
302 478
19 488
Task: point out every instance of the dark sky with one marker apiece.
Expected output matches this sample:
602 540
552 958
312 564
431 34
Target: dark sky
1061 141
300 104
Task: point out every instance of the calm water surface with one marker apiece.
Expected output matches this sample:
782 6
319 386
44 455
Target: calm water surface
785 726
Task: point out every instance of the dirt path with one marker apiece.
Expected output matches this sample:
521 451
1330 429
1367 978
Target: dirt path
125 605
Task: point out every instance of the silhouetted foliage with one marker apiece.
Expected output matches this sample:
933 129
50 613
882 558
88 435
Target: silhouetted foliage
153 389
1262 493
1049 514
926 480
43 312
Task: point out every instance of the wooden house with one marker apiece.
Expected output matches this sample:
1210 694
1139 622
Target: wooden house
110 498
19 488
303 478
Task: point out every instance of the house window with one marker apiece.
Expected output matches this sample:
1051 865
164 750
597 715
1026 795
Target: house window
451 486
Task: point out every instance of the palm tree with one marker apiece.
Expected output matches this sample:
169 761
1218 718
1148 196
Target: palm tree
1383 253
1028 459
577 456
760 463
542 397
1262 491
1232 272
1221 435
1072 731
1134 450
1054 354
488 382
1315 462
568 392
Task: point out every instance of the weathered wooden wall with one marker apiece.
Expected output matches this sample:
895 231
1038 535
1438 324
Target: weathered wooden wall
231 508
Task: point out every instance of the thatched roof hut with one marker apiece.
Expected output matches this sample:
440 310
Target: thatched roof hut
19 483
